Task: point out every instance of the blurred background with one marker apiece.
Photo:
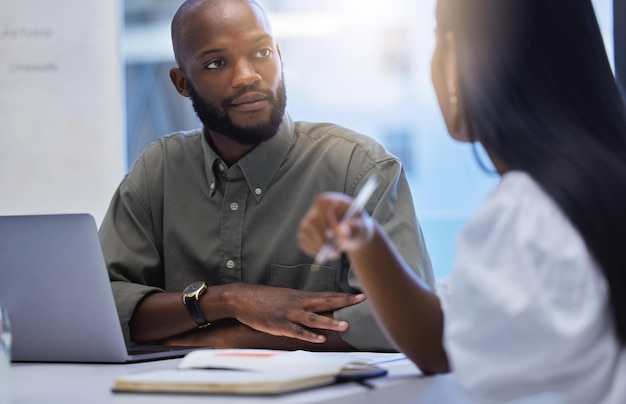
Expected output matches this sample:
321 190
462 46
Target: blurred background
83 93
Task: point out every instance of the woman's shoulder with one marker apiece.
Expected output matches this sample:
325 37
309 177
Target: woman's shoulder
521 217
518 203
520 243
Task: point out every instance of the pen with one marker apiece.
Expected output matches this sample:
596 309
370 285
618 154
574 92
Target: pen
355 208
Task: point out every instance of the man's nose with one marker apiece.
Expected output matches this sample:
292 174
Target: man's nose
245 74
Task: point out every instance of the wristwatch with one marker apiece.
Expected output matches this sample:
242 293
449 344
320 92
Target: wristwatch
191 295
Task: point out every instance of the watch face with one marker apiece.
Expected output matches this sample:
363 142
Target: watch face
193 288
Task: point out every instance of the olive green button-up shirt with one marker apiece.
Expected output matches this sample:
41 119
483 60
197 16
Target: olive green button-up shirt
182 215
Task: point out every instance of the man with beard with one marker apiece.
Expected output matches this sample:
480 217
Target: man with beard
213 213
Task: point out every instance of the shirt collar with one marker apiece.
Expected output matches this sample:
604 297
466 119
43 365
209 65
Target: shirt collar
261 164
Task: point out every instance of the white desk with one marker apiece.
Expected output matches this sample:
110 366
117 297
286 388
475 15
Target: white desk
91 384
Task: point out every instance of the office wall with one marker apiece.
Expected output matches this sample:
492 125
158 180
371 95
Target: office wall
62 140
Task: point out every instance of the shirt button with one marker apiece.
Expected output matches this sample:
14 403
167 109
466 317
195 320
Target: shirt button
234 206
212 186
258 191
221 167
230 264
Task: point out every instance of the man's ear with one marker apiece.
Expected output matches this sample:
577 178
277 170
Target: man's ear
179 80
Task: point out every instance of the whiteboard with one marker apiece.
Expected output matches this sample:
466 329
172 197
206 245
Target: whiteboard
62 120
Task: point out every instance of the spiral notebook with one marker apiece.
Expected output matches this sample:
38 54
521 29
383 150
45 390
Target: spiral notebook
55 286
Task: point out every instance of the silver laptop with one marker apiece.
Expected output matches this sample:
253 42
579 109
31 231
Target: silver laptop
55 287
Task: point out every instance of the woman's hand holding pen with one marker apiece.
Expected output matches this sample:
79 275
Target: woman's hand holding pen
323 222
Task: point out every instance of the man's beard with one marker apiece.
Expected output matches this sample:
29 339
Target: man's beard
216 119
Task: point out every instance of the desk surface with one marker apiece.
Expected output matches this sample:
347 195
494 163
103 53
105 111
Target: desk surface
91 384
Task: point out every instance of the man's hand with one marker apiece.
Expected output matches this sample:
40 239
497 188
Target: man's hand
276 312
230 333
289 312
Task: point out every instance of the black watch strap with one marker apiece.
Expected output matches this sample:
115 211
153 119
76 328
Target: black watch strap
194 309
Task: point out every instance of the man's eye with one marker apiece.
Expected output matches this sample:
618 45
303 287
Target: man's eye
215 64
264 52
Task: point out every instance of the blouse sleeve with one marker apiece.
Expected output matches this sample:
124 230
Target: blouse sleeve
524 298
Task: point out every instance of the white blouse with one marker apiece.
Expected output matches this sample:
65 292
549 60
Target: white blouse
527 317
